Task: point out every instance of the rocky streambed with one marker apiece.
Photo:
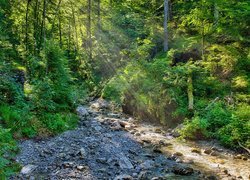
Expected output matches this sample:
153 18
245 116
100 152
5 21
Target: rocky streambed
108 145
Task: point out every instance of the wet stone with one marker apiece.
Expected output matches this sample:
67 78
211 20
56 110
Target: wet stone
182 170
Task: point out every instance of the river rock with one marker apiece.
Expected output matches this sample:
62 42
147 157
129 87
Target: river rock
100 104
207 151
147 164
82 111
123 177
124 162
143 175
82 152
28 169
158 130
81 168
101 160
182 170
195 150
177 154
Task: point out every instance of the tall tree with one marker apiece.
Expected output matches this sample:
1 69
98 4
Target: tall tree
166 25
89 44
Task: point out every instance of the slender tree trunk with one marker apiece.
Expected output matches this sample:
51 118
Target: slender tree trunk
216 14
75 28
190 92
43 28
166 25
69 39
27 25
99 14
54 19
202 32
89 44
35 26
60 29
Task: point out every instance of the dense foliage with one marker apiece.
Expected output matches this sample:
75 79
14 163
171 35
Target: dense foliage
55 53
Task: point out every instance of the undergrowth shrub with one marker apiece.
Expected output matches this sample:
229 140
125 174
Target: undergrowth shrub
8 149
238 129
59 122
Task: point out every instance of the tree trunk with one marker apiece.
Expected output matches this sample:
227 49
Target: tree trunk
99 14
60 29
43 33
27 26
89 44
165 25
216 14
190 92
35 26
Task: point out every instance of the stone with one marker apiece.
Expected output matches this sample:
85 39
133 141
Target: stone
157 149
157 178
177 154
128 127
214 153
146 140
28 169
81 168
137 134
182 170
211 177
82 111
164 143
158 130
116 126
123 123
143 175
123 177
194 150
101 160
98 128
68 164
148 164
207 151
100 104
238 156
82 152
244 158
124 162
114 115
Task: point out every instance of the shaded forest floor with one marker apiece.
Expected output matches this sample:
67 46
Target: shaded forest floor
110 145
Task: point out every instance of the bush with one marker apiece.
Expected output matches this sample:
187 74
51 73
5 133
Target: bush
230 127
59 122
18 120
238 130
195 128
7 151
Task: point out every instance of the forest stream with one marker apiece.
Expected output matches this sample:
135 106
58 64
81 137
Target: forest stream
111 145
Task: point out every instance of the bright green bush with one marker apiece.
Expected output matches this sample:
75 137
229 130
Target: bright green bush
59 122
195 128
7 151
238 129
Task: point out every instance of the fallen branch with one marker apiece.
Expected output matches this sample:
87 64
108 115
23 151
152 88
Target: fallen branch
214 101
248 150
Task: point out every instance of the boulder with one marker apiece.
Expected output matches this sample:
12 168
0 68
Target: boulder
82 111
195 150
123 177
182 170
207 151
124 162
148 164
28 169
100 104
